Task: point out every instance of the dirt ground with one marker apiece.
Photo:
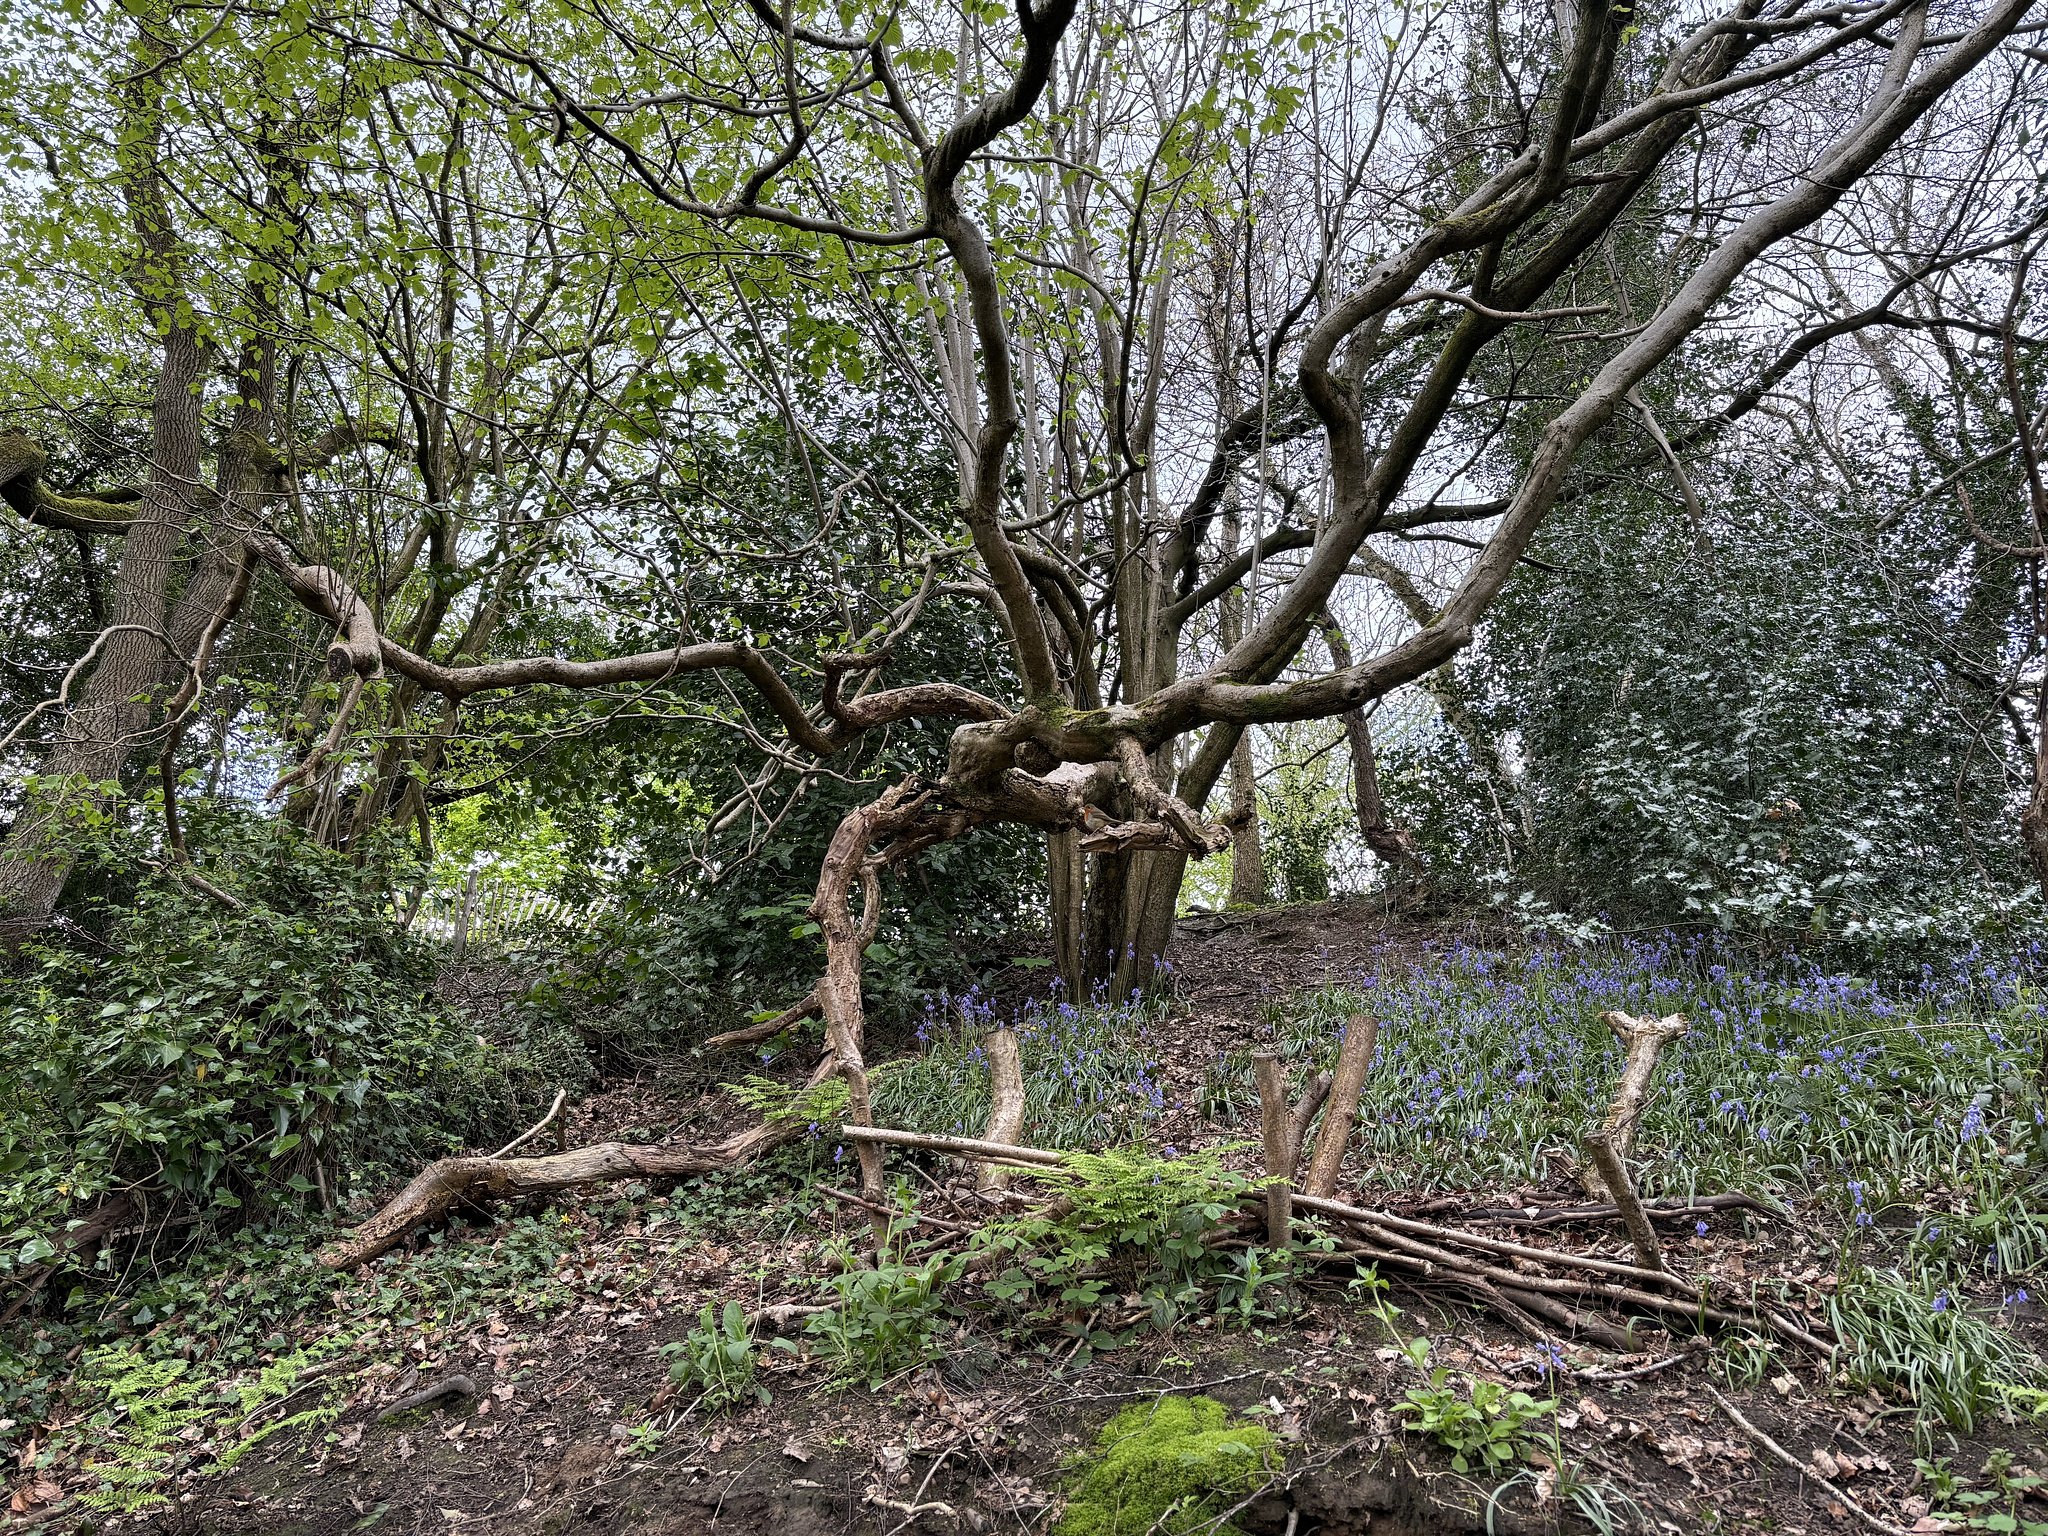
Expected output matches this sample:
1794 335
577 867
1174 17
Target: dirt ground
555 1431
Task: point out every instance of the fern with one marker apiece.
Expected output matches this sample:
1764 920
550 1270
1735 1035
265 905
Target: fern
156 1398
151 1403
1133 1194
1131 1222
781 1105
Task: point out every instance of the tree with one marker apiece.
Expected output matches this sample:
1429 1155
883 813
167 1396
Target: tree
1411 223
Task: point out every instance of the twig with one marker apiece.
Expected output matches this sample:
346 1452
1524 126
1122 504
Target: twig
1804 1471
561 1098
848 1198
958 1146
1641 1370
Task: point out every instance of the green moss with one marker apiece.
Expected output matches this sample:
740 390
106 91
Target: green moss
1181 1454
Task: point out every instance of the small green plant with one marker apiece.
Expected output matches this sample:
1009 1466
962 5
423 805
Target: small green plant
1255 1271
887 1318
1132 1223
717 1358
143 1434
779 1104
1994 1508
1174 1466
1483 1427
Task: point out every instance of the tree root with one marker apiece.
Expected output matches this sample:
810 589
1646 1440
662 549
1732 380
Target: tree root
100 1223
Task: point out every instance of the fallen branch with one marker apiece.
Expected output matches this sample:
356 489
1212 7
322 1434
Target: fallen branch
554 1109
1313 1094
100 1223
847 1197
1669 1209
453 1181
767 1029
955 1146
1803 1470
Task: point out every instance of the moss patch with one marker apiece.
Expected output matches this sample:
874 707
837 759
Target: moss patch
1181 1454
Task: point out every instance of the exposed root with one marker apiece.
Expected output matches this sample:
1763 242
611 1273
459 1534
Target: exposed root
82 1238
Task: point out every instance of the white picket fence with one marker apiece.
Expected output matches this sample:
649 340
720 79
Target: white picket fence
487 909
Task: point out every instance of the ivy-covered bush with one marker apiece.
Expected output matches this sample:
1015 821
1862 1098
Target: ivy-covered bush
226 1061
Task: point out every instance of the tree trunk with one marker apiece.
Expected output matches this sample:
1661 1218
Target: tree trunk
2034 820
115 705
1247 854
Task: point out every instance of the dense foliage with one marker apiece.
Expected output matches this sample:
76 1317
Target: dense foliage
220 1063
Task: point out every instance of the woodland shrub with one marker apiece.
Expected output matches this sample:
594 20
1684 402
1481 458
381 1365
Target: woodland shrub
224 1062
1776 739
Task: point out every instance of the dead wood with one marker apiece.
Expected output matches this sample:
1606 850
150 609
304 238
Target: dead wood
767 1029
1571 1320
1354 1061
955 1146
1803 1469
847 1197
453 1181
1494 1245
1006 1109
1614 1174
1643 1040
1271 1072
426 1397
1313 1094
546 1120
1672 1209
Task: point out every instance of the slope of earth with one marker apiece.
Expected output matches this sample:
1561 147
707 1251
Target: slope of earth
548 1328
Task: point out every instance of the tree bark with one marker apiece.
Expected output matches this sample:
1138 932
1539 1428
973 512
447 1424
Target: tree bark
114 709
1643 1040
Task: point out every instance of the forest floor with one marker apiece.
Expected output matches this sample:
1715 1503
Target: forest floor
567 1420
